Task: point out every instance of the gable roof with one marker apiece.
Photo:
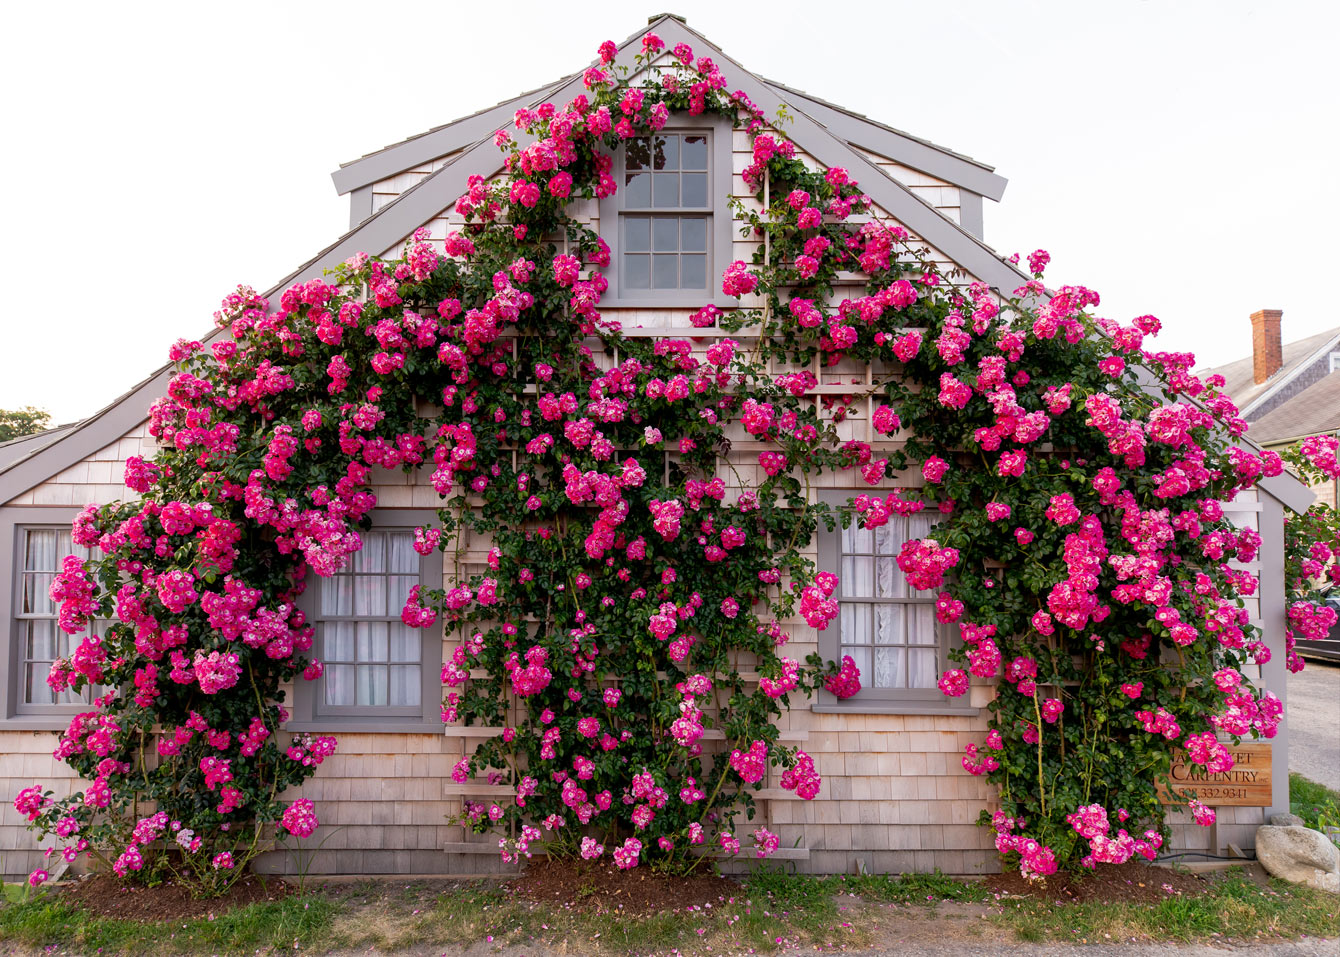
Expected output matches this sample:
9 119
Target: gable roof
853 128
1240 383
1313 411
437 191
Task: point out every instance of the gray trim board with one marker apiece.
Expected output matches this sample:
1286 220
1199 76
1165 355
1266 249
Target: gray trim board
1273 673
426 147
1289 490
970 213
899 147
360 205
814 138
17 449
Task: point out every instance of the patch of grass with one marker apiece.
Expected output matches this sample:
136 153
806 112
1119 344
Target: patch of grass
929 889
772 912
269 925
1315 803
1235 908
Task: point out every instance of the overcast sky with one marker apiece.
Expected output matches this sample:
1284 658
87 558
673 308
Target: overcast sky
1179 157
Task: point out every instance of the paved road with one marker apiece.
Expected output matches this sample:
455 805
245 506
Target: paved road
1313 718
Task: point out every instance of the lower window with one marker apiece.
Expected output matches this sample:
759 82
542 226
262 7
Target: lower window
373 660
40 557
887 628
378 673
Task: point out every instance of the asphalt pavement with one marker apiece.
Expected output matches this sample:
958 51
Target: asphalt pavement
1312 713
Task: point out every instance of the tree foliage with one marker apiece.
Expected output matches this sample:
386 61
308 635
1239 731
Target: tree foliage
28 420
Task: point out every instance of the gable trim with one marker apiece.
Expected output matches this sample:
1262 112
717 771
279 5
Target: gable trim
898 146
954 168
426 147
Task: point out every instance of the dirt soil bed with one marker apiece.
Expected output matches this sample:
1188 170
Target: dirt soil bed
604 888
103 895
1109 883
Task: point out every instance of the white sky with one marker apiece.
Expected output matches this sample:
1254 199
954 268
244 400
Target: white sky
1179 157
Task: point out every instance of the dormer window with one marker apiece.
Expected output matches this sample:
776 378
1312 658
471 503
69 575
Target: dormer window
668 226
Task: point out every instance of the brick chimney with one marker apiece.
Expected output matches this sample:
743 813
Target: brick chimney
1267 348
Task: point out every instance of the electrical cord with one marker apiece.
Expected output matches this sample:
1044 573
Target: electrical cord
1207 855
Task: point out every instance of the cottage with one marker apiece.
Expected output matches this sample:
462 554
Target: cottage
895 797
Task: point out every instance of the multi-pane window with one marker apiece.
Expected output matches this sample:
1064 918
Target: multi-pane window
665 221
372 659
888 628
41 556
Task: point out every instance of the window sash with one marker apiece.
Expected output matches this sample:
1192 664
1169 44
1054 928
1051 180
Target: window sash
901 666
40 551
651 265
370 670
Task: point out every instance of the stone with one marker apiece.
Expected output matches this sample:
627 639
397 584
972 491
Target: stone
1299 855
1286 820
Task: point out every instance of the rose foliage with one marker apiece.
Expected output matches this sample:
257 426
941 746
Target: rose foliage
1311 547
627 630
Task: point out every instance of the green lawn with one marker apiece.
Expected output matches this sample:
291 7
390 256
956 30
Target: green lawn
1315 803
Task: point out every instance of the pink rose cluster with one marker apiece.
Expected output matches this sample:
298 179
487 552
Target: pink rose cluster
846 682
1091 823
1036 860
925 562
299 818
802 777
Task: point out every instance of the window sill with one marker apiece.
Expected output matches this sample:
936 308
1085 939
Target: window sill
893 707
672 300
352 725
34 722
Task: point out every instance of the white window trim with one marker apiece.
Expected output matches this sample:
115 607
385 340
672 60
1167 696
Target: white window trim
721 177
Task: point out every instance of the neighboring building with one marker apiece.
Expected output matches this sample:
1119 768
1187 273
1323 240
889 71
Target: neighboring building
895 797
1287 392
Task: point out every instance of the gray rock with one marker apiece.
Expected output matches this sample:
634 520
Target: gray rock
1286 820
1299 855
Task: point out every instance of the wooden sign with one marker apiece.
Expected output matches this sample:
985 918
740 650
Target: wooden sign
1247 784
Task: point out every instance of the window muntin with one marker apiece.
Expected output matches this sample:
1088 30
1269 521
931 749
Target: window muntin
666 212
40 555
888 628
373 661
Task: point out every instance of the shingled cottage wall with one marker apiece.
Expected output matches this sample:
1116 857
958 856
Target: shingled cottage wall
895 797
